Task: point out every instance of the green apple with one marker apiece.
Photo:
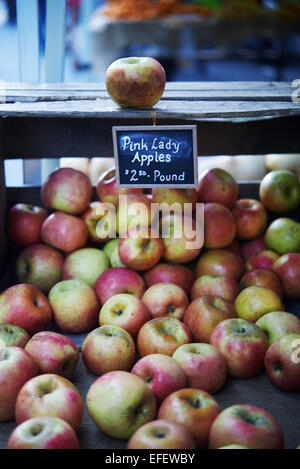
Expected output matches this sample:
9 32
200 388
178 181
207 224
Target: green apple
283 236
115 260
109 246
278 324
254 302
279 191
85 264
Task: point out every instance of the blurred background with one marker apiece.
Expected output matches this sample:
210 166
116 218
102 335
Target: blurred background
195 40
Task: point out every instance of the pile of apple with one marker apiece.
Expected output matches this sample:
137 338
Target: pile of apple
174 322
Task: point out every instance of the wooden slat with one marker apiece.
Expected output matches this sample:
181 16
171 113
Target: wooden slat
3 241
55 40
28 32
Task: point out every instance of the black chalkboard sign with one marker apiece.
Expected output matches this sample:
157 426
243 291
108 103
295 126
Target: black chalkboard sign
151 156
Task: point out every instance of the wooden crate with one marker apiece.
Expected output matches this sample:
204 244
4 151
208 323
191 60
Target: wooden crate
233 118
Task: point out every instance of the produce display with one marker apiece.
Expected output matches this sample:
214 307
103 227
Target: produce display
164 329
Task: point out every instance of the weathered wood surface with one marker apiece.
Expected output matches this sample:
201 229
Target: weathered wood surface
3 242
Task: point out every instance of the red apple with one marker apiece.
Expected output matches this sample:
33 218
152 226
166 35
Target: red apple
217 185
209 285
25 306
251 218
100 219
219 226
248 426
107 188
16 368
279 191
49 395
203 365
140 252
262 278
282 362
174 273
40 265
126 311
172 196
135 210
166 299
53 353
119 403
243 346
64 232
43 433
75 306
162 335
108 348
162 374
161 434
24 223
13 336
287 268
67 190
219 262
136 82
235 247
262 260
119 280
205 313
250 248
196 410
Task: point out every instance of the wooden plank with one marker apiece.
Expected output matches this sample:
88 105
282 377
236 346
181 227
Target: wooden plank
55 40
92 137
106 109
3 240
28 32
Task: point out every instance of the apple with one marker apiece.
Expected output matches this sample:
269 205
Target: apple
181 247
204 366
119 403
107 189
49 395
119 280
137 82
262 260
254 302
75 306
16 368
161 434
53 353
287 268
166 299
140 252
205 313
279 191
251 218
243 345
67 190
40 265
283 236
262 278
217 185
114 259
162 374
100 219
126 311
249 248
248 426
172 196
25 306
64 232
109 246
233 447
108 348
219 262
278 324
162 335
209 285
43 433
13 336
85 264
24 223
195 409
282 362
173 273
134 210
219 226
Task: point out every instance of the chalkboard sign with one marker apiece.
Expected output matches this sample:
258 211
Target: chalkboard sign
151 156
